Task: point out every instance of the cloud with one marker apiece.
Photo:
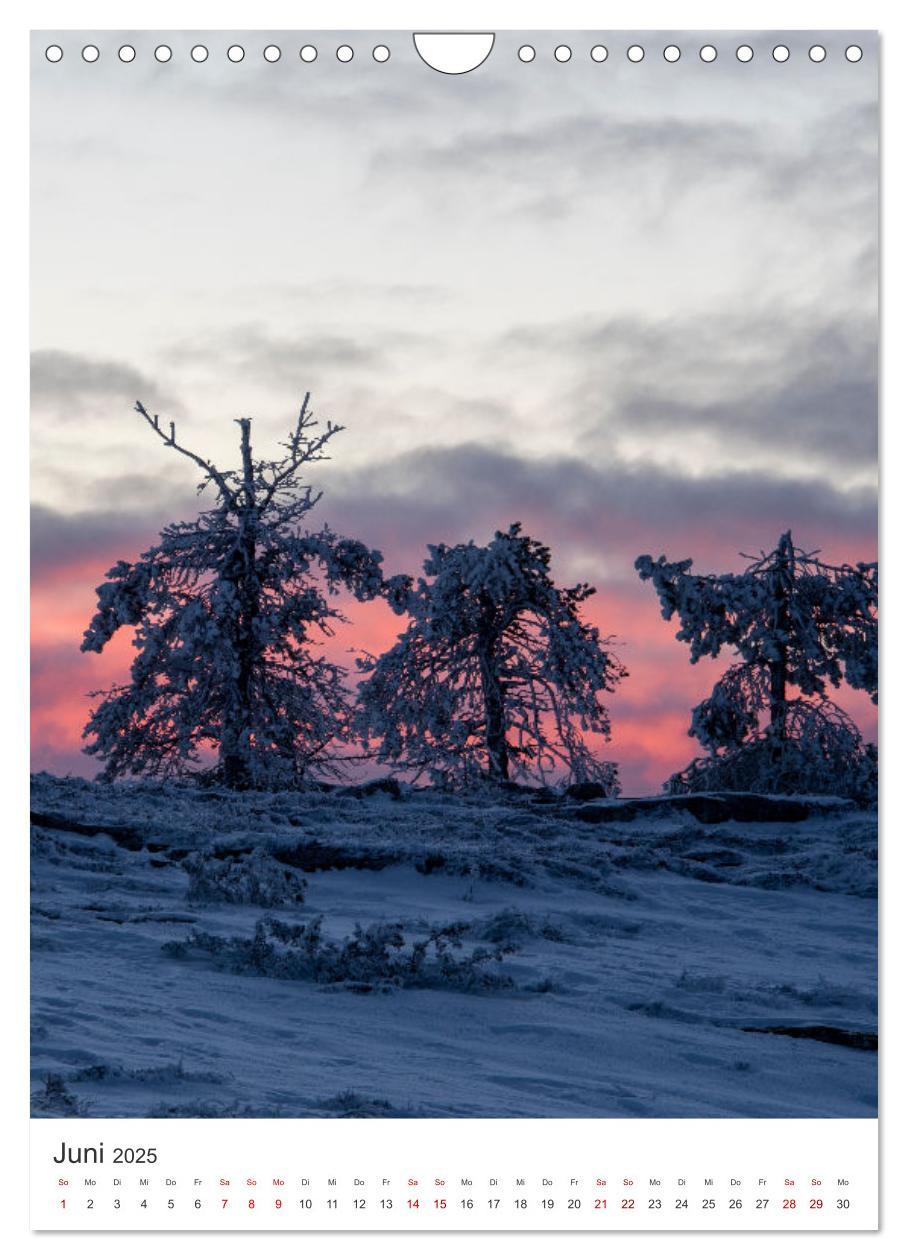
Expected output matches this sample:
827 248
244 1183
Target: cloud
677 155
255 351
82 546
598 518
287 92
788 388
583 144
839 150
346 291
77 384
550 166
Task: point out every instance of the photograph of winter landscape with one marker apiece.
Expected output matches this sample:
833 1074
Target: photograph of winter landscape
454 564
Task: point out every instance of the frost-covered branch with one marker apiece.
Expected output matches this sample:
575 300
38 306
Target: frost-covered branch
170 439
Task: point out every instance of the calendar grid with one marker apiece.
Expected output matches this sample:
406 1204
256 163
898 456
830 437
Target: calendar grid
463 1175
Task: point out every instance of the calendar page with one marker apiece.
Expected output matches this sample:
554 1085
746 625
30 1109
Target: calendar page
454 630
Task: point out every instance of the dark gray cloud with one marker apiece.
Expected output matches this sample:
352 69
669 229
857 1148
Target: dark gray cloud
76 384
604 515
96 539
601 517
793 384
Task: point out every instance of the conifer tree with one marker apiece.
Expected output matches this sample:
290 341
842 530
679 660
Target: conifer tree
230 611
496 675
799 627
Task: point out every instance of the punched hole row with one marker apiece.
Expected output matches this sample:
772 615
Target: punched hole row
200 53
707 52
525 53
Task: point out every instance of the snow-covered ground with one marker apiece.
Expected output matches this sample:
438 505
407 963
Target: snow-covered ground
644 952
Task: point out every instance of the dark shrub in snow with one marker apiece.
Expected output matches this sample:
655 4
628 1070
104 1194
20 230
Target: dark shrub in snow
374 956
255 878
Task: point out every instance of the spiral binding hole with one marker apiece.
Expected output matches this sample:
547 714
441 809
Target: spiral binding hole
162 53
599 53
562 53
672 53
126 53
308 53
526 52
635 53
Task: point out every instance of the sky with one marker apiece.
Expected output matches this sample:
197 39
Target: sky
633 306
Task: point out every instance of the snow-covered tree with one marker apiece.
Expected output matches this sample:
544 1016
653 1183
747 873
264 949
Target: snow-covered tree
496 676
799 626
229 610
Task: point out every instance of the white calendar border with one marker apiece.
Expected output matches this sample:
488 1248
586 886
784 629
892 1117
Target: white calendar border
443 14
405 1174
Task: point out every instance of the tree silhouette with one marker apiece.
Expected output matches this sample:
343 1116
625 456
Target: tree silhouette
800 626
225 609
496 675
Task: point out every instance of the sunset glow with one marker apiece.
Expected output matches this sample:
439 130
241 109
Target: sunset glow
650 711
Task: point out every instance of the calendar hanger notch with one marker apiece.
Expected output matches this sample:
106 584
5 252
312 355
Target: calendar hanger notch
453 52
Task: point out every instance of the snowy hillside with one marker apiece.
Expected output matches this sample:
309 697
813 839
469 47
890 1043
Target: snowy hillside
521 955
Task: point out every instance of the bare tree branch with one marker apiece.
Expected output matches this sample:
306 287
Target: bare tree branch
213 473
